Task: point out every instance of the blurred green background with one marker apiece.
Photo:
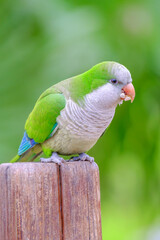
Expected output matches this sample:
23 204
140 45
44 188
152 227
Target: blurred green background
43 42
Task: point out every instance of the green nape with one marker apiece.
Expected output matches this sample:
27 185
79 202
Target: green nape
85 83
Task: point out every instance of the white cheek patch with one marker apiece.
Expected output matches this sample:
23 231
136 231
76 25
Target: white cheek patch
106 96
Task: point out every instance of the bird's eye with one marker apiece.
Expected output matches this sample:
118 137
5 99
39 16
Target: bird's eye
114 81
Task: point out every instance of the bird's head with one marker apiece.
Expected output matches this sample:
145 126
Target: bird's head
115 83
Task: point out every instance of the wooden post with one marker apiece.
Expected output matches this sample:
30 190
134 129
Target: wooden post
42 201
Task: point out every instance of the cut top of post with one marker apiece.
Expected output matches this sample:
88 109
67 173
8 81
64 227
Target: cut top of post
44 201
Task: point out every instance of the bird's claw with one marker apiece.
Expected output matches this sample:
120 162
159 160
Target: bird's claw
55 158
82 157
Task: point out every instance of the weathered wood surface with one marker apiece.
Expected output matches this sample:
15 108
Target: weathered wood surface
40 201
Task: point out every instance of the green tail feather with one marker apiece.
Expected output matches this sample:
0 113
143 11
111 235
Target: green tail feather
15 159
29 156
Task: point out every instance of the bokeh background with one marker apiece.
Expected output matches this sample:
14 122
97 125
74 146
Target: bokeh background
43 42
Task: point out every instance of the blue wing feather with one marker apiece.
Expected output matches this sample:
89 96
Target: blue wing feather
26 144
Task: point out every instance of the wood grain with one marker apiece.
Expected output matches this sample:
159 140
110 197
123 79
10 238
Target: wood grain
40 201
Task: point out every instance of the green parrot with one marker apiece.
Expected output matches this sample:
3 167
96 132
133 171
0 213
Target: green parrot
69 117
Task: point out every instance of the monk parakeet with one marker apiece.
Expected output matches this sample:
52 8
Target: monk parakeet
69 117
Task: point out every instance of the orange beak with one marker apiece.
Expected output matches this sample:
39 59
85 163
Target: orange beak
128 92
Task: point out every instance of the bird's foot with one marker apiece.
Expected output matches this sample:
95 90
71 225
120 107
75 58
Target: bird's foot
55 158
82 157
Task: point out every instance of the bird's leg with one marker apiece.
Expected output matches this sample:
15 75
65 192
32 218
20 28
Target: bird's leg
55 158
82 157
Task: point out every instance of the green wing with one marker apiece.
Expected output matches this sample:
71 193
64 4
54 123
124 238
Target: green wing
42 119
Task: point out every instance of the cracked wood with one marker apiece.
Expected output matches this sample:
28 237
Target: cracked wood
40 201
